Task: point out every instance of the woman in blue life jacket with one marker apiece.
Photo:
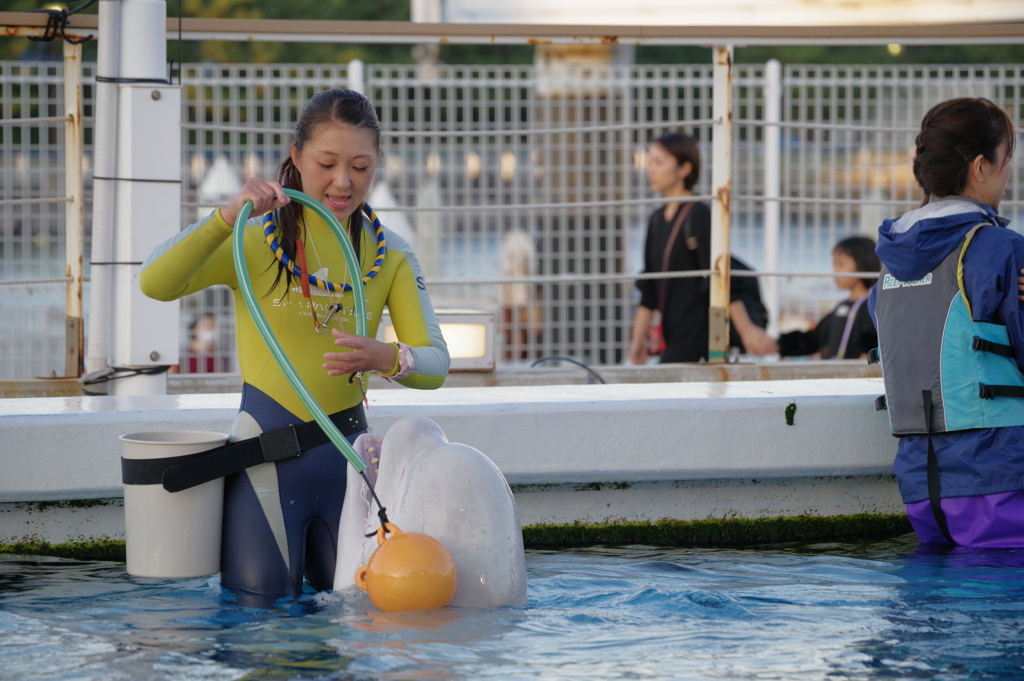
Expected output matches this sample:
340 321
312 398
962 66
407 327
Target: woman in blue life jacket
951 334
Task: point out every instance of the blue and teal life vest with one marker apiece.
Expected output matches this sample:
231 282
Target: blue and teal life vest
942 370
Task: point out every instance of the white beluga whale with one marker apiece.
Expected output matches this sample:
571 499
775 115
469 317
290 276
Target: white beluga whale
453 493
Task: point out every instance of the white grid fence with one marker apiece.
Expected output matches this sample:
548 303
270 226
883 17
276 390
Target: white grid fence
505 171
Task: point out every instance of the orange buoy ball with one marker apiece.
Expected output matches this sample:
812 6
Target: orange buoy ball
408 571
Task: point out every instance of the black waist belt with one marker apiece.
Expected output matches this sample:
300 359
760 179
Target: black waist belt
179 473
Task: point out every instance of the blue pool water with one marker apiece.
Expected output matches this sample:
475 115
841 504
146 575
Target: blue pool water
878 610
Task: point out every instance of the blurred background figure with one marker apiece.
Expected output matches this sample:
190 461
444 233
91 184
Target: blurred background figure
220 183
202 356
521 316
847 332
679 239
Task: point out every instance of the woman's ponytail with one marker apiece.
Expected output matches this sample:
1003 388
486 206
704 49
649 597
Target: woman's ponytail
953 134
288 218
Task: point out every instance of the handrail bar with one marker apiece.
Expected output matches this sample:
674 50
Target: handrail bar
408 32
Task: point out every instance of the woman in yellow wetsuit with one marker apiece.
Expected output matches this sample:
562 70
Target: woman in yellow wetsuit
281 517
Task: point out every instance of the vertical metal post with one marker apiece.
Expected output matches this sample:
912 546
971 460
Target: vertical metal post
622 293
721 181
357 76
772 187
74 359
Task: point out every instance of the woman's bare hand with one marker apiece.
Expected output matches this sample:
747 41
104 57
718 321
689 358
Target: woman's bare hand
638 352
639 340
366 354
266 195
757 342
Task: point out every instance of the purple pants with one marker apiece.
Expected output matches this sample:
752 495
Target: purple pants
993 520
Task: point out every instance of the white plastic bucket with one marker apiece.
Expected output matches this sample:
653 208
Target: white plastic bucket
172 535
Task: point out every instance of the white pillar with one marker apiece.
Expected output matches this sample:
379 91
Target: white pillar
144 39
104 170
772 188
427 11
357 76
721 183
148 197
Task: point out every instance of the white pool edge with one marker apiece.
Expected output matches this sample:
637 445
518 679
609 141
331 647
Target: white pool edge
583 453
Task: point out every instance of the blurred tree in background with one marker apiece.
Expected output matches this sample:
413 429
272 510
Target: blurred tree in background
311 53
256 52
398 10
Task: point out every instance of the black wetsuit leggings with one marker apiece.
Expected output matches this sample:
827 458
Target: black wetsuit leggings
281 519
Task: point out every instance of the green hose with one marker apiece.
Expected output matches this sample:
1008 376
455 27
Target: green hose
238 251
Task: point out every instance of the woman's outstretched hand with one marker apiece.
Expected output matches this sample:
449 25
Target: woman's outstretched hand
757 342
366 354
266 195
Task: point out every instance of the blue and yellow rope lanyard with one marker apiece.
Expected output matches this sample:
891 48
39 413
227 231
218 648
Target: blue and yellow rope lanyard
301 271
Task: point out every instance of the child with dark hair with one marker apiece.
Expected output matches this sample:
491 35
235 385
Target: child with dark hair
846 332
951 334
281 516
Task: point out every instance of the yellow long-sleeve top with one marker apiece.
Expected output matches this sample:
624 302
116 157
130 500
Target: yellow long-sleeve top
200 256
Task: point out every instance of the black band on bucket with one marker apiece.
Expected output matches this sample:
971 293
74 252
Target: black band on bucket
274 445
150 471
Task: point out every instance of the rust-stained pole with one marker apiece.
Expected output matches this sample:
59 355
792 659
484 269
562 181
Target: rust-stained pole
721 183
13 25
74 359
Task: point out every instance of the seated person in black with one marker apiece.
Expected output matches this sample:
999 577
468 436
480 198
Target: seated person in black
847 332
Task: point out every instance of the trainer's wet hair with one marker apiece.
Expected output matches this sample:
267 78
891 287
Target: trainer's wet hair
953 134
862 250
346 107
684 149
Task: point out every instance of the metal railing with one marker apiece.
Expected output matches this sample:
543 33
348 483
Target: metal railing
73 202
460 204
538 212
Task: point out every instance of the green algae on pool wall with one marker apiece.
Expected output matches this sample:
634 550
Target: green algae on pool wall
95 549
707 533
719 532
